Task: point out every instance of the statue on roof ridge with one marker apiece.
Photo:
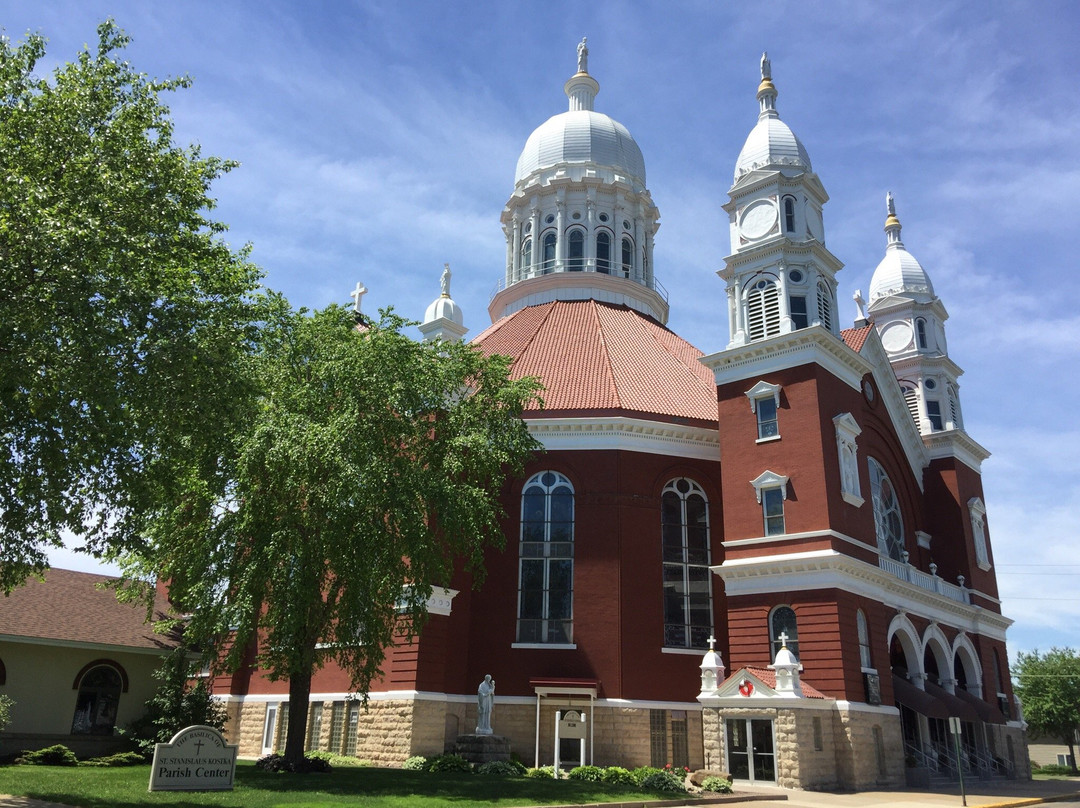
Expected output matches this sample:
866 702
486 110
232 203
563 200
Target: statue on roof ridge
583 56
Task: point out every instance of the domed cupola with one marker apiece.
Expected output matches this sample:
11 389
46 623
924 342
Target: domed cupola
581 138
770 144
910 319
580 222
443 318
898 274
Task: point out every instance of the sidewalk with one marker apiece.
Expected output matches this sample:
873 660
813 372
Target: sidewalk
979 795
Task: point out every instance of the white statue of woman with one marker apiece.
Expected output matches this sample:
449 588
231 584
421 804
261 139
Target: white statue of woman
583 56
485 696
445 280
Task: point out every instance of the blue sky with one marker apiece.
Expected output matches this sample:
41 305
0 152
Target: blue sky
378 140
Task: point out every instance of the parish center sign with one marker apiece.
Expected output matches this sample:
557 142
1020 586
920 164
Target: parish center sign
196 759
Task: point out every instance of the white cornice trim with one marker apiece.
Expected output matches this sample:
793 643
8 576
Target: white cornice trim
565 285
804 346
956 443
808 534
829 569
626 434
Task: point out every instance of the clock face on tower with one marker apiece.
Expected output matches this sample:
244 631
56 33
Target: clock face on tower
757 219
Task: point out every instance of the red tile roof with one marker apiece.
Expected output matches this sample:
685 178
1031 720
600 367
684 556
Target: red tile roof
769 677
68 607
856 337
594 356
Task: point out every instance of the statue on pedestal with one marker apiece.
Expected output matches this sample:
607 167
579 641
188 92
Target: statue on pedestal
485 697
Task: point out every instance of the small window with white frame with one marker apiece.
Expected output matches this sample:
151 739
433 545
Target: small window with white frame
847 430
765 404
977 511
771 491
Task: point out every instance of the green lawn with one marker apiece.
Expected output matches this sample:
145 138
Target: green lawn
377 788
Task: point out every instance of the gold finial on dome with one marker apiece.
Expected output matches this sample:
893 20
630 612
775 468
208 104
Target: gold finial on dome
890 207
766 74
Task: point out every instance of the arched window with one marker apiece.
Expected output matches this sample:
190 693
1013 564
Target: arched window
865 657
920 333
824 306
684 526
575 254
526 256
763 310
603 252
3 673
977 514
789 214
888 523
550 241
97 702
782 621
546 559
627 257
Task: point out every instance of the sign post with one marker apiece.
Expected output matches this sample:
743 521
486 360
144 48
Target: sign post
569 724
954 728
196 759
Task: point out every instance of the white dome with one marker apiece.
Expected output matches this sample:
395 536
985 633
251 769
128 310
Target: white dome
900 274
444 307
784 658
771 143
581 136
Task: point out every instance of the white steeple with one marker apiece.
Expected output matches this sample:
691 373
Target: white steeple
910 320
443 318
712 671
780 277
580 222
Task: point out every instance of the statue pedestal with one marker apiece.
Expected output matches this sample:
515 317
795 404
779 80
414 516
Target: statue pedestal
482 748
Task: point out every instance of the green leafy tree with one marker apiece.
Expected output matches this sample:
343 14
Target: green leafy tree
123 310
370 468
178 702
1049 689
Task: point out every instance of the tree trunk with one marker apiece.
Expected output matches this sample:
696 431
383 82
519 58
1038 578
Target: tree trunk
299 693
1072 754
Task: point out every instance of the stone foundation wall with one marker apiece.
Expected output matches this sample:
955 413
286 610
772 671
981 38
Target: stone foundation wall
1010 743
391 731
875 759
842 752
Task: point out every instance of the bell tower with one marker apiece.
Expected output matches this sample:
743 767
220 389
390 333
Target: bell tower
779 276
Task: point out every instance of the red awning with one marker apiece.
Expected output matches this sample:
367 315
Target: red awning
955 705
988 713
918 700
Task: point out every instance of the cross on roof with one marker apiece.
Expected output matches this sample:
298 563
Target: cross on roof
711 641
783 639
356 294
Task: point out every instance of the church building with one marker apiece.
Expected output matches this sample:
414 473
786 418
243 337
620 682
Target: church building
772 559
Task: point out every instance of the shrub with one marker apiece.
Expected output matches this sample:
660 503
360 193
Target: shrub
310 763
449 763
417 763
543 773
119 759
1055 769
58 755
6 703
663 781
718 785
617 775
592 774
499 768
641 772
177 704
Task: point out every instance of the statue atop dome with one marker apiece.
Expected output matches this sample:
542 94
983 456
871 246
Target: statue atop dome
583 56
444 281
766 65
